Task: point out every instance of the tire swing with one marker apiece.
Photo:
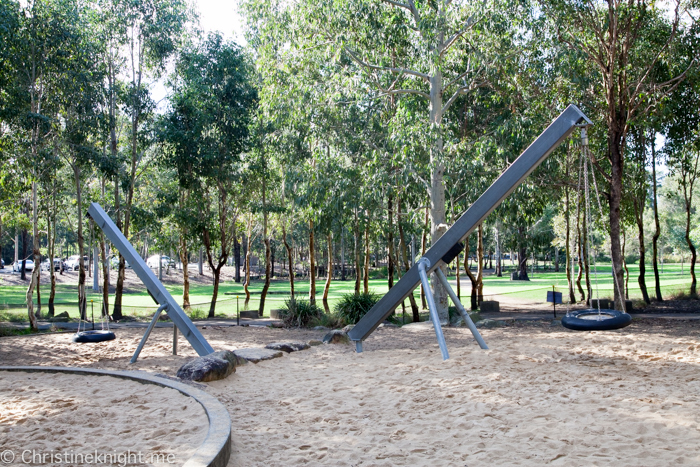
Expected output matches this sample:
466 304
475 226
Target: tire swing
93 336
593 319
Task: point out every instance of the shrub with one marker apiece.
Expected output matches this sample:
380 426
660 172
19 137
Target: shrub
197 313
328 320
352 307
299 313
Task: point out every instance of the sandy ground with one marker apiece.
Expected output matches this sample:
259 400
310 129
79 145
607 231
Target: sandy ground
55 419
541 395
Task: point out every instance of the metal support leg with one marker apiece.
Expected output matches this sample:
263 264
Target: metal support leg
462 311
148 332
358 346
424 263
174 339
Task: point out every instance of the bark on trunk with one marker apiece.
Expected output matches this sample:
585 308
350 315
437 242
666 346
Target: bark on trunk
329 274
390 243
657 229
480 265
121 271
185 260
522 255
37 261
357 254
288 247
424 244
312 265
82 297
406 264
365 273
615 200
569 263
472 277
639 216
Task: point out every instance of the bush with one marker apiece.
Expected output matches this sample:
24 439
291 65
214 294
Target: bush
352 307
197 313
328 320
299 313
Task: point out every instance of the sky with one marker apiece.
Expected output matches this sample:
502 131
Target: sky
220 15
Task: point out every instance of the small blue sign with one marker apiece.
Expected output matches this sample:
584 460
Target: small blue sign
554 297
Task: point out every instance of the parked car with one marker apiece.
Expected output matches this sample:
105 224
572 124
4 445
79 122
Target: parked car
152 261
73 262
17 266
114 261
58 265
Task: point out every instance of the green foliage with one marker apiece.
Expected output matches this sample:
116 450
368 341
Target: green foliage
352 307
197 313
328 320
299 313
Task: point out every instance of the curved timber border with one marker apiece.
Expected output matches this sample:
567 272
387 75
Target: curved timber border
216 448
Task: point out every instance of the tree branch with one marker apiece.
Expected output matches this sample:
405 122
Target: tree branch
467 26
385 68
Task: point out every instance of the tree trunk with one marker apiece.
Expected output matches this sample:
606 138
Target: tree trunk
365 274
569 262
82 297
406 264
579 274
472 278
342 253
585 248
639 216
522 255
37 262
237 259
312 265
185 260
691 247
390 242
424 244
657 229
329 274
624 262
268 271
480 265
51 236
288 247
615 199
357 254
121 271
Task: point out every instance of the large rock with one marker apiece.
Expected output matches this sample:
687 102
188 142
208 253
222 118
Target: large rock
288 346
459 322
230 357
60 318
212 367
275 314
336 337
255 355
347 328
249 314
488 306
490 323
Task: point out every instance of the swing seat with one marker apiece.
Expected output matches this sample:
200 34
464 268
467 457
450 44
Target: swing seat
93 336
591 320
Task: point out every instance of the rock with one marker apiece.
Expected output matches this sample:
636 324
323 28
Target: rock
277 325
604 304
230 357
314 343
275 314
320 328
387 324
60 318
490 323
249 314
336 337
212 367
457 321
347 328
489 306
255 355
288 346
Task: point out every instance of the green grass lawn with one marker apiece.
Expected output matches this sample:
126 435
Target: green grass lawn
232 295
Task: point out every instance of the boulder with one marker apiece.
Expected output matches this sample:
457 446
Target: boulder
60 318
212 367
314 343
489 306
249 314
288 346
459 322
275 314
230 357
277 324
604 304
347 328
490 323
255 355
336 337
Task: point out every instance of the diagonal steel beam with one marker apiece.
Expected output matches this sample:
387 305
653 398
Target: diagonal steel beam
446 246
154 286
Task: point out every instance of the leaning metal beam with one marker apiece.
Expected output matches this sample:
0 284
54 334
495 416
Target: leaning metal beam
154 286
447 246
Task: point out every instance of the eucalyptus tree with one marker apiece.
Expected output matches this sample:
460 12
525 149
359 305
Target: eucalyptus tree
629 44
207 128
151 31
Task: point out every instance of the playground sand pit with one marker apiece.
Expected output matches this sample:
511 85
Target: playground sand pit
55 419
540 395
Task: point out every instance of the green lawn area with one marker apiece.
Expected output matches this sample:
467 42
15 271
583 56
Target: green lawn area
232 295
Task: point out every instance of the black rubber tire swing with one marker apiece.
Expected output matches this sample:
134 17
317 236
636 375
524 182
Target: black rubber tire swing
93 336
577 321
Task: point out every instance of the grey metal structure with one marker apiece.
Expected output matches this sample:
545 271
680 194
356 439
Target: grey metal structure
449 245
154 286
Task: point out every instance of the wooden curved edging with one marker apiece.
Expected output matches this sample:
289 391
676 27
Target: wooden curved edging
216 448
